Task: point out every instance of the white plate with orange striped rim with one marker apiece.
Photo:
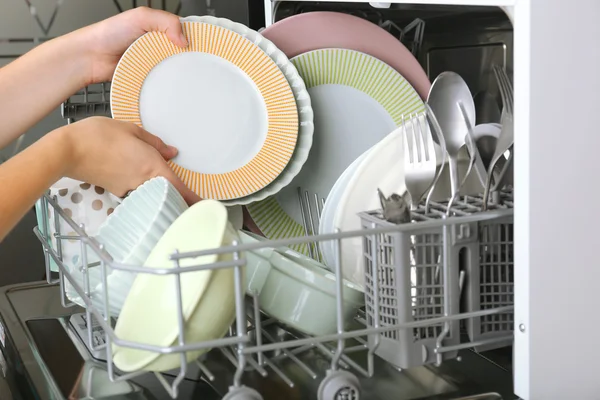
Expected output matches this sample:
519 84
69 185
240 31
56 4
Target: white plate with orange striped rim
221 101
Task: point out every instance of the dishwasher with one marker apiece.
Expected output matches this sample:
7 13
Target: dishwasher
453 339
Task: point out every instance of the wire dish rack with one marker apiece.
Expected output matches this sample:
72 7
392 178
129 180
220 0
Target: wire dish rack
425 280
415 276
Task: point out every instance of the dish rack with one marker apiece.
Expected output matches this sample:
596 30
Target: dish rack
415 277
434 286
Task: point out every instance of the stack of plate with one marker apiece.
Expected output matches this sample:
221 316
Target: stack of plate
231 102
241 113
361 81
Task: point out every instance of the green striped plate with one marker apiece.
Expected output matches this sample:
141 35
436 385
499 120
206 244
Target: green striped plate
357 100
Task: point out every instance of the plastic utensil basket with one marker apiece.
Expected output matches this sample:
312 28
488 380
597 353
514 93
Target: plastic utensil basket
409 268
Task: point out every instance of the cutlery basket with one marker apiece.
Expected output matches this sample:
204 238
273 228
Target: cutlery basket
434 267
489 284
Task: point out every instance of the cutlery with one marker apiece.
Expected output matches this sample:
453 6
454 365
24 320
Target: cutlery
506 173
419 158
395 209
475 160
506 138
446 91
437 132
486 145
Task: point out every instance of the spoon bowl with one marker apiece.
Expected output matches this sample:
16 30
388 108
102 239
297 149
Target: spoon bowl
446 92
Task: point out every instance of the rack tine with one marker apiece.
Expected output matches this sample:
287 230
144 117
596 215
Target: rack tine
279 372
257 326
257 367
348 362
330 353
205 371
311 219
318 206
303 213
312 225
292 357
229 356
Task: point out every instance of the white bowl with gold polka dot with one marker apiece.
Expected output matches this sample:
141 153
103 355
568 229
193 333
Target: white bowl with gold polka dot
88 206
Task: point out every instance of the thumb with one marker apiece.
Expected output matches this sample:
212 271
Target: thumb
162 21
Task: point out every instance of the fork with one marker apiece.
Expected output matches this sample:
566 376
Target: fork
506 138
419 157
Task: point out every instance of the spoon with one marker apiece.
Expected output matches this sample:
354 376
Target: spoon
476 160
487 146
446 91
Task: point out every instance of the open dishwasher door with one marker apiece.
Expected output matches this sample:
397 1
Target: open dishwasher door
43 356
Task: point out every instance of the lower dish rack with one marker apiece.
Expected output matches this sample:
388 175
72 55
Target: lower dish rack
446 270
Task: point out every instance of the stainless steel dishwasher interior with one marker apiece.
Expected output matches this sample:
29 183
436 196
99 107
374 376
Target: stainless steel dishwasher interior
466 40
469 41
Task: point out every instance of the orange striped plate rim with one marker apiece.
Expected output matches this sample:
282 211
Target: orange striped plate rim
282 112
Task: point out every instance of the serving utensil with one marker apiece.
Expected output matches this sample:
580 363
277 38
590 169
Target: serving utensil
395 208
506 138
419 158
446 91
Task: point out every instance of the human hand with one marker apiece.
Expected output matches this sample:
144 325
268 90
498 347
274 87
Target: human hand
107 40
117 155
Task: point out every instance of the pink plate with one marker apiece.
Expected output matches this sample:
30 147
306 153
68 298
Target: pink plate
326 30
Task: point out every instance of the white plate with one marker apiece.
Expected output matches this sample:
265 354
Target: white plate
348 122
178 87
329 209
383 168
357 100
222 101
487 130
305 111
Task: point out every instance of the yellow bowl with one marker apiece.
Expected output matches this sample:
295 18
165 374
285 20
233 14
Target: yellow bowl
149 314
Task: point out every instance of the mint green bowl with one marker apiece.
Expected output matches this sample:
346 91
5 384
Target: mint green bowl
301 293
258 264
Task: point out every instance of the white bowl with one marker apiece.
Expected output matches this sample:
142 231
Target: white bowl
258 264
86 205
301 293
150 314
132 231
236 217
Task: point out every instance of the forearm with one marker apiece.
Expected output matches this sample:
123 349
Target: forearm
25 177
36 83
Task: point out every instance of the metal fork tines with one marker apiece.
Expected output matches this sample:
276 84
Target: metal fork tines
419 157
310 209
506 138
